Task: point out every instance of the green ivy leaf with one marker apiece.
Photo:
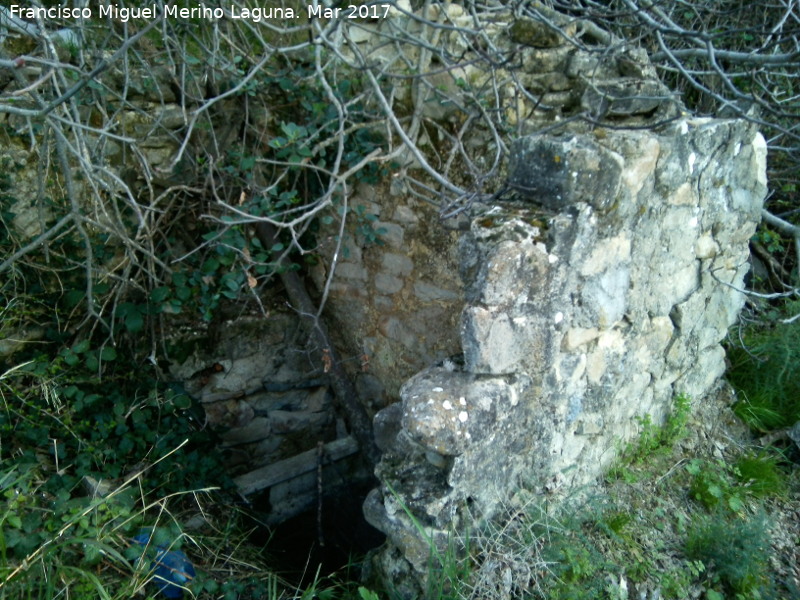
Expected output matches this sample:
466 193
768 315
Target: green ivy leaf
134 321
81 347
210 265
91 362
735 503
14 521
108 353
73 298
159 294
182 401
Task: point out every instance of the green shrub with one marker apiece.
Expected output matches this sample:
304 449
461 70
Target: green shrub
653 440
764 374
760 473
52 543
712 485
716 484
735 549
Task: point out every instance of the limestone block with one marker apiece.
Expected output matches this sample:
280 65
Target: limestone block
640 161
398 265
671 284
558 172
624 97
684 195
496 343
405 215
607 253
385 514
706 247
590 424
447 411
538 60
349 289
514 267
255 430
578 336
604 296
350 250
758 161
351 271
395 329
612 340
595 366
437 416
592 66
547 82
659 334
569 372
392 235
388 284
427 292
539 35
702 372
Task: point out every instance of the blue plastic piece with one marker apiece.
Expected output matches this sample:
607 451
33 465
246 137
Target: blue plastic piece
172 569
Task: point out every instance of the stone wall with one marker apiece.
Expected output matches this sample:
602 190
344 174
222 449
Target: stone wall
396 300
261 388
590 303
524 338
593 291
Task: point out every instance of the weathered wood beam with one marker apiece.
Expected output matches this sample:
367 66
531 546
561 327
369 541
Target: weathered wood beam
290 468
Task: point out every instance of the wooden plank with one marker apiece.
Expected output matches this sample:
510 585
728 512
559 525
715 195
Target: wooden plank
295 466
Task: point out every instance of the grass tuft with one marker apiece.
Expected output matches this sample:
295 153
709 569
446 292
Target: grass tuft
761 474
764 373
735 549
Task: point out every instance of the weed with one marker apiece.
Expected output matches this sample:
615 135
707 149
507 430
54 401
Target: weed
735 549
653 440
717 484
712 485
447 567
760 474
764 373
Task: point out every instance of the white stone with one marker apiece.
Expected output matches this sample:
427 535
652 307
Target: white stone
760 158
578 336
607 253
706 247
638 169
683 195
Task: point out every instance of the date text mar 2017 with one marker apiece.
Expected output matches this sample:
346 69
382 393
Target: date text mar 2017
353 11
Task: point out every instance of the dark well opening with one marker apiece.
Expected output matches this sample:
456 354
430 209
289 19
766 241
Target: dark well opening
331 540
